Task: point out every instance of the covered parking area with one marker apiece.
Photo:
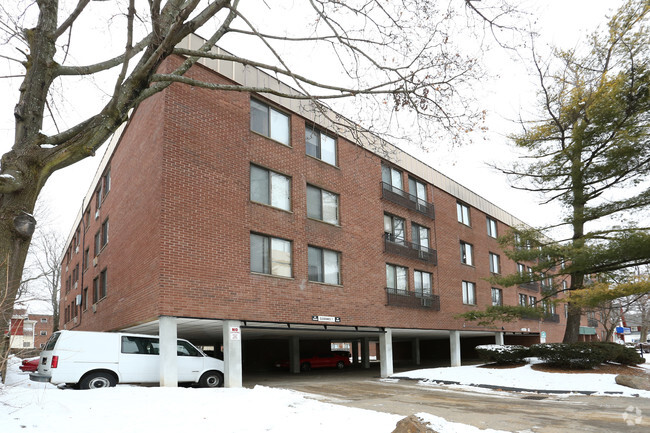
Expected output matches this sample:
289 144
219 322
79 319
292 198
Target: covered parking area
252 348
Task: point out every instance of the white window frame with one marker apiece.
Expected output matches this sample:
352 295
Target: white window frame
416 236
391 220
523 300
469 293
393 177
417 191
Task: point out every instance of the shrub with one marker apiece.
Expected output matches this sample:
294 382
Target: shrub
578 355
585 355
502 354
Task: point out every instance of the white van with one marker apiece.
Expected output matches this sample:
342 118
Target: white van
101 359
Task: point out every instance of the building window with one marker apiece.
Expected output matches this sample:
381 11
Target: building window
396 277
43 333
324 266
394 228
269 122
86 258
497 297
270 255
98 200
532 300
491 227
466 254
95 290
103 284
84 299
523 300
270 188
322 205
320 145
417 191
98 244
44 320
420 236
495 263
106 183
564 286
469 293
104 233
422 282
462 211
87 218
393 178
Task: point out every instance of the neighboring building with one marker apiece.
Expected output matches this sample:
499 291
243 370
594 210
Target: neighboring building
29 331
245 220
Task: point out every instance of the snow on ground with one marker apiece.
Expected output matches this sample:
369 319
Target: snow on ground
526 378
30 407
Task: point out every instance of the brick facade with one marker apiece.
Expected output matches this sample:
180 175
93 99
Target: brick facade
180 219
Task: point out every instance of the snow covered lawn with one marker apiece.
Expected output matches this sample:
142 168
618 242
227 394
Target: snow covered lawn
525 377
30 407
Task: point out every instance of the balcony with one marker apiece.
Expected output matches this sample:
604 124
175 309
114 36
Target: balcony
407 200
531 285
592 323
404 298
554 318
410 250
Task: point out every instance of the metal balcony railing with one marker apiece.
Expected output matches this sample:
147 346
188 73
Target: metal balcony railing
555 318
407 299
592 322
407 200
533 286
400 247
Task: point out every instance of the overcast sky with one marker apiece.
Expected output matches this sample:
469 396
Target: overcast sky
560 22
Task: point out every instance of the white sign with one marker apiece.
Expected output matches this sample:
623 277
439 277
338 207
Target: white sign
542 337
235 333
330 319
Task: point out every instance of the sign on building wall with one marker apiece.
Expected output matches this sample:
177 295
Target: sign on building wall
235 333
330 319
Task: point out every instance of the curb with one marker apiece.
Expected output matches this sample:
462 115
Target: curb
508 388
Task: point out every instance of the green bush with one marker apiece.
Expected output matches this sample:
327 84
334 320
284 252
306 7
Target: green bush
579 356
502 354
585 355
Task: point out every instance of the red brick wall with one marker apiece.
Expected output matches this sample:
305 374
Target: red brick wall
180 221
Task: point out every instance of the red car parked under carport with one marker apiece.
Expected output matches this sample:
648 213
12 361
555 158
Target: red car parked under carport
323 360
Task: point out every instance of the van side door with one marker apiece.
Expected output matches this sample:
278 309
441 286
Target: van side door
190 362
139 360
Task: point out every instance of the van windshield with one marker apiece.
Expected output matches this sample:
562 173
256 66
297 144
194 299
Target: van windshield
52 341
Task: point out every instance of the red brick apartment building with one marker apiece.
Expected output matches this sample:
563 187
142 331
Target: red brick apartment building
246 221
29 331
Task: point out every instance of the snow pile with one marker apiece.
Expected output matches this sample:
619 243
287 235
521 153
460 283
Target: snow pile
524 377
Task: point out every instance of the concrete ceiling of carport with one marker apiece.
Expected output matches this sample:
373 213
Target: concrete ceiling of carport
209 331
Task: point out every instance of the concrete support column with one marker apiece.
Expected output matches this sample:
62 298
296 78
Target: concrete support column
365 352
355 352
386 352
454 348
168 332
232 353
294 354
415 351
499 338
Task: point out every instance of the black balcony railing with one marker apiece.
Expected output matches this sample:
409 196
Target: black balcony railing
530 316
407 200
407 299
533 286
555 318
592 322
393 245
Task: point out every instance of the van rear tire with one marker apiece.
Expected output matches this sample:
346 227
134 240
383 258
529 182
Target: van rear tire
98 379
211 379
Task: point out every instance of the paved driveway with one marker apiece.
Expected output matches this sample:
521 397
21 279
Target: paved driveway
497 410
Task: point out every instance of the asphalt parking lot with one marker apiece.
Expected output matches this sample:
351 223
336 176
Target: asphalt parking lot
510 411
